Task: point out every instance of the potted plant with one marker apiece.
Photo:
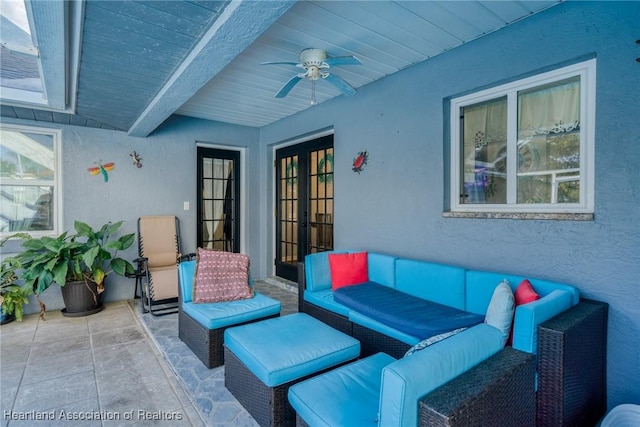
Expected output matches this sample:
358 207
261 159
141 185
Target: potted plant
12 295
78 263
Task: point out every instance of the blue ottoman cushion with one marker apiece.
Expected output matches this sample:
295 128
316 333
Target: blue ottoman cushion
290 347
315 399
222 314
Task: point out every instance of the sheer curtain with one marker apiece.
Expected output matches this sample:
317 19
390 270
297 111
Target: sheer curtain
553 109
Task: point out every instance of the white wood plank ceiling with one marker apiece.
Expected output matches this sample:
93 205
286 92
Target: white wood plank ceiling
142 61
387 36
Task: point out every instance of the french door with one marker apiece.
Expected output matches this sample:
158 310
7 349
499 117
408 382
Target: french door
218 201
304 203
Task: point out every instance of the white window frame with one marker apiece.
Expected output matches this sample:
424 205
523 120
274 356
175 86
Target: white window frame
57 180
587 72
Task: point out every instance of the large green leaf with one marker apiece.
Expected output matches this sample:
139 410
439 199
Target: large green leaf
90 256
122 243
83 229
44 281
120 266
60 273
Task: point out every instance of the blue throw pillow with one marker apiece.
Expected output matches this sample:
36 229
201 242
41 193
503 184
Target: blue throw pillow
501 309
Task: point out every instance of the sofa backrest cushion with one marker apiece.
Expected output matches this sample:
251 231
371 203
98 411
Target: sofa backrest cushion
408 379
186 273
382 269
480 286
317 270
439 283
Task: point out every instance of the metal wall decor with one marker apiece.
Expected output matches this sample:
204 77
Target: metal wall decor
103 169
137 159
360 161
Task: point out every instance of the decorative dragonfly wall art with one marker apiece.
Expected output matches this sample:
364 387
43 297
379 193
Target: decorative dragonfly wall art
103 169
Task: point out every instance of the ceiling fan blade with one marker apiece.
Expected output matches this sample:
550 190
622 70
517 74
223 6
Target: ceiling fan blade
343 86
295 64
288 86
342 60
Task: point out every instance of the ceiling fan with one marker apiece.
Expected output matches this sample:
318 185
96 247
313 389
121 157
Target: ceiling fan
316 64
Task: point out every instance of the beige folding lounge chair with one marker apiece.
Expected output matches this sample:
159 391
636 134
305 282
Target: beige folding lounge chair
159 251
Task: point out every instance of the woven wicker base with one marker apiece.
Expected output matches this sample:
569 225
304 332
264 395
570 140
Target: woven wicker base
372 342
572 362
205 343
269 406
497 392
330 318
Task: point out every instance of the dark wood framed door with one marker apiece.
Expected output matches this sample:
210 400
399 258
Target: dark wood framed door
304 203
218 199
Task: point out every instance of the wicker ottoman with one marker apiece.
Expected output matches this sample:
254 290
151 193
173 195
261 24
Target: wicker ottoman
263 359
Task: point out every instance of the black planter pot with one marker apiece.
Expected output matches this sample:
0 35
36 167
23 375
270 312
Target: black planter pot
6 318
81 298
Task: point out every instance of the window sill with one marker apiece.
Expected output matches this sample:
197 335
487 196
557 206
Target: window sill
521 215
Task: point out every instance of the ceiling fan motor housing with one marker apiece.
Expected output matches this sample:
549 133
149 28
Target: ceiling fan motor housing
309 57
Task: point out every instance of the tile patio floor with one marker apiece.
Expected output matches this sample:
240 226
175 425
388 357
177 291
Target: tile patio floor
114 368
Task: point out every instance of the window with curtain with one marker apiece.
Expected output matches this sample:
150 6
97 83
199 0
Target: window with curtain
526 146
29 180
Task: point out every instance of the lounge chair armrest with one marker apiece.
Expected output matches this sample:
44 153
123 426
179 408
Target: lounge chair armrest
142 265
498 391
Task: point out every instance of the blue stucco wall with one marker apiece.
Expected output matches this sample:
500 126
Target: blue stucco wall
166 180
395 205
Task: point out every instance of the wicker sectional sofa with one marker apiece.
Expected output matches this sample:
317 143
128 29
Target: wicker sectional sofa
484 391
468 290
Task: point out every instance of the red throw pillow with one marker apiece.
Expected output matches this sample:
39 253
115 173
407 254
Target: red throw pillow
524 294
348 269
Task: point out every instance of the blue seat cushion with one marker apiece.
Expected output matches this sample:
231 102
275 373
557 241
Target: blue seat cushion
409 314
217 315
346 396
290 347
324 298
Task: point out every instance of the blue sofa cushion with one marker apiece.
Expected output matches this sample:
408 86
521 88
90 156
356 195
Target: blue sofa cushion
435 282
324 298
408 379
409 314
346 396
317 271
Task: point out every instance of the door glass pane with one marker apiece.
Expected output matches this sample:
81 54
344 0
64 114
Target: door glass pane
218 204
289 210
321 200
